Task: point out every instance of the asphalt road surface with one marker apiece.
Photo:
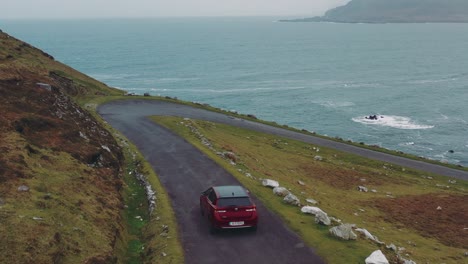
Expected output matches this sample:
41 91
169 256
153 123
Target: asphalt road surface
185 172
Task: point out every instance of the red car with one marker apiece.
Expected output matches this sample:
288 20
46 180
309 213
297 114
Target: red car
228 207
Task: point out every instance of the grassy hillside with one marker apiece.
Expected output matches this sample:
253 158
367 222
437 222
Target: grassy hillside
21 63
67 191
60 179
422 214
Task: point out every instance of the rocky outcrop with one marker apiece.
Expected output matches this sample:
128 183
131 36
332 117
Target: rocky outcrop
281 191
377 257
344 231
150 193
368 235
311 210
362 189
322 218
292 199
270 183
23 188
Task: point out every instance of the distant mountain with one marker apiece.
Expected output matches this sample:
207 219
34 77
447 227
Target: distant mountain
395 11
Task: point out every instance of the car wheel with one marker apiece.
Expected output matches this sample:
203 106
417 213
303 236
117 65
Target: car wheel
253 228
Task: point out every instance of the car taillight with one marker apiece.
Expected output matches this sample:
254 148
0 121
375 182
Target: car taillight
220 211
250 210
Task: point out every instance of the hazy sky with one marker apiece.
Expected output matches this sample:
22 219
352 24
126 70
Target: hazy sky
162 8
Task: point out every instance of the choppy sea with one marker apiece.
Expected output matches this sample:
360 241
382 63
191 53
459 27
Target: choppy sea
323 77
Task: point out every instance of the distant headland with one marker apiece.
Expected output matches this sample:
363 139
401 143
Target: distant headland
395 11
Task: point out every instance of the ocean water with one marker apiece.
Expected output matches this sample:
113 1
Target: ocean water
323 77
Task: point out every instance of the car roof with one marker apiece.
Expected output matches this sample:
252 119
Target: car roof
230 191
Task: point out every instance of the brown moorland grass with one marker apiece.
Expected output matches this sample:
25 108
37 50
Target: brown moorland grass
441 216
400 208
61 218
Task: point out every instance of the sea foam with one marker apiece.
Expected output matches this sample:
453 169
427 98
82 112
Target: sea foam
400 122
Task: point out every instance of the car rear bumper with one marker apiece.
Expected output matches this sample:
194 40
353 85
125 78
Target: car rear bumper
226 224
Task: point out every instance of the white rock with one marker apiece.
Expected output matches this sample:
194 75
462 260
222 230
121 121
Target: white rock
318 158
362 189
365 232
311 201
344 231
377 257
407 261
82 135
291 199
270 183
322 218
392 247
311 210
23 188
368 235
336 220
281 191
106 148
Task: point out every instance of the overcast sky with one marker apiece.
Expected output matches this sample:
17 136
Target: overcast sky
162 8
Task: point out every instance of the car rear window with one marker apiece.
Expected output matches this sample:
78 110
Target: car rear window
234 201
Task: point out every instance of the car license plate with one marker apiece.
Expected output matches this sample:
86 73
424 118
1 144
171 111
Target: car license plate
236 223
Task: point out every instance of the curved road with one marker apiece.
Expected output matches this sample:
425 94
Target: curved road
185 172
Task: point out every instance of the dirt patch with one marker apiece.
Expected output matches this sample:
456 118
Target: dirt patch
434 215
345 179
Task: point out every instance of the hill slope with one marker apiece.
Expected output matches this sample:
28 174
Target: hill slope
60 176
396 11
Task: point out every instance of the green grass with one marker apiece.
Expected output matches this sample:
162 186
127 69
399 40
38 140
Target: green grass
66 216
332 182
135 215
